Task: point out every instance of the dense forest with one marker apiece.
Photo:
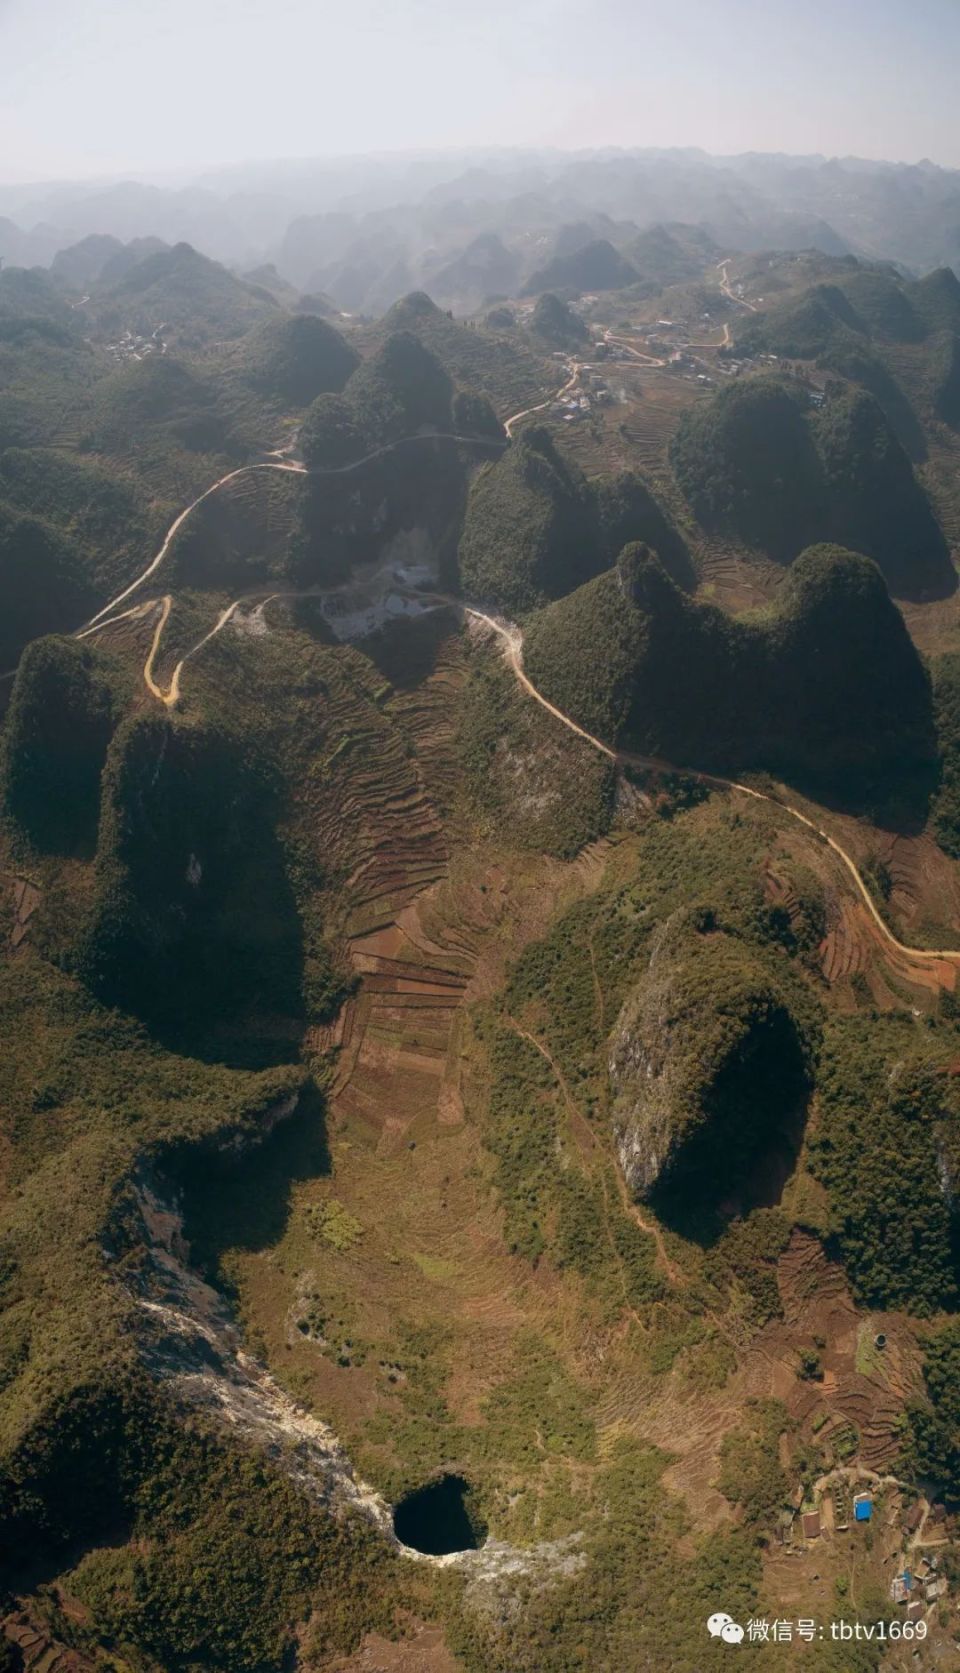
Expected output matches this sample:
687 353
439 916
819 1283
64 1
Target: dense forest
762 462
805 689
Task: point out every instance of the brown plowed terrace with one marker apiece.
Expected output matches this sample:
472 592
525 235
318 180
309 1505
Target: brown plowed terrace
948 959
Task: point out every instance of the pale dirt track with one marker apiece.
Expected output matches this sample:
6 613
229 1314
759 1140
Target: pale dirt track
637 354
178 523
739 301
508 423
293 468
513 651
103 618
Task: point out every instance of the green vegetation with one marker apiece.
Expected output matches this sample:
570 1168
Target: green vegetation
186 833
162 397
747 462
557 324
334 1224
861 723
554 794
876 505
43 585
862 366
710 1062
62 714
627 511
667 255
241 537
527 533
865 303
297 358
757 461
161 1037
804 327
809 1366
946 390
29 293
535 529
936 298
226 1555
618 1609
473 415
594 266
107 517
401 392
731 1037
503 368
933 1447
184 293
85 1096
945 811
885 1119
330 434
751 1474
401 389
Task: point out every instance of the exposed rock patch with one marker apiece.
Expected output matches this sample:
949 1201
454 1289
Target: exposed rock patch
189 1341
708 1064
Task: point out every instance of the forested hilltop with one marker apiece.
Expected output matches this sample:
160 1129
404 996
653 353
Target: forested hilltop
480 929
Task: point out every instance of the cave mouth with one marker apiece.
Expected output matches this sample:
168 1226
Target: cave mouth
440 1518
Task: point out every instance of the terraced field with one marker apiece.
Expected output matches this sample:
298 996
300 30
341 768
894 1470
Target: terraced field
38 1652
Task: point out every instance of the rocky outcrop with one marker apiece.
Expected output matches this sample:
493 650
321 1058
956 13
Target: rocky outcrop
705 1058
189 1341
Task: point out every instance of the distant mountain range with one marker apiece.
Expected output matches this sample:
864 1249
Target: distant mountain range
468 228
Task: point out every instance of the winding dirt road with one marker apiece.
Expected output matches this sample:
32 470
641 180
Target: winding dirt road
291 467
512 639
103 618
509 423
739 301
638 354
513 651
177 525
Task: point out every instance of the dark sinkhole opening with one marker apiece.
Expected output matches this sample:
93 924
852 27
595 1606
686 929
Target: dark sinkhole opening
440 1518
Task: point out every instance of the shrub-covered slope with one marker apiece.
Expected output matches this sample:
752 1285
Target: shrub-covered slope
556 324
401 394
708 1063
44 587
296 358
758 461
501 364
828 686
187 835
535 529
184 293
61 717
596 266
527 534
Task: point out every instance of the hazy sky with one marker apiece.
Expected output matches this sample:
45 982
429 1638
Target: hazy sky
103 86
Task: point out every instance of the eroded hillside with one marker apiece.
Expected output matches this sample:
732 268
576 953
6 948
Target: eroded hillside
477 1181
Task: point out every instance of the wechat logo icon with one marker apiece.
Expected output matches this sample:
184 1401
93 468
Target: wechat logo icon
723 1626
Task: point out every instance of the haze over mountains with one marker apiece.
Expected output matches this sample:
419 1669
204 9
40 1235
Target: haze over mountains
470 226
479 915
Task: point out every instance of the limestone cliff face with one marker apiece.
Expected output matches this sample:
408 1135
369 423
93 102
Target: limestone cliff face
705 1059
189 1341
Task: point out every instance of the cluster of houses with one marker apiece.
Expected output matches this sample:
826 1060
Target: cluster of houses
918 1588
131 345
843 1510
591 391
919 1581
